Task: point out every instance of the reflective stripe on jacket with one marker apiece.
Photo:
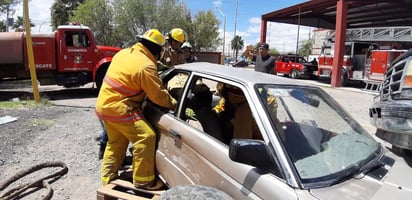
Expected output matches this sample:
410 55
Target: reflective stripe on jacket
131 75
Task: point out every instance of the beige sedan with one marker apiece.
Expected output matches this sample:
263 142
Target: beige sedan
241 134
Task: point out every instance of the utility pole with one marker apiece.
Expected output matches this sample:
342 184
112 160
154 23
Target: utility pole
224 32
234 35
29 46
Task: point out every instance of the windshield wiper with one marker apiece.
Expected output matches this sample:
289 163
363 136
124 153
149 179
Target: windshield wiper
374 163
348 174
356 169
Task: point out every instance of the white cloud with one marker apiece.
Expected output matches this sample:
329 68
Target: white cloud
255 20
283 37
39 12
217 3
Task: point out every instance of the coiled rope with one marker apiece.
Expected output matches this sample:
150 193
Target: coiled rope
42 182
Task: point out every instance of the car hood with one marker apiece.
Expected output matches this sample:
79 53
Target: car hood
392 181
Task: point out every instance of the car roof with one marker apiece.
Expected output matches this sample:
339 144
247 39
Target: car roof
241 75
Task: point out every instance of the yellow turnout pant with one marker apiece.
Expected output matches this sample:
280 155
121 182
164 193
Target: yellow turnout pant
143 140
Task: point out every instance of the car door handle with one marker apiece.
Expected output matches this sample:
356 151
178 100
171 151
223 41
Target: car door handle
175 135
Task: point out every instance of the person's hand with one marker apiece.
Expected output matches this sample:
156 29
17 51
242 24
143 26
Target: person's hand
161 67
190 114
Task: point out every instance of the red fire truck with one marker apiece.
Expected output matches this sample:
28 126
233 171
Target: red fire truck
68 57
363 61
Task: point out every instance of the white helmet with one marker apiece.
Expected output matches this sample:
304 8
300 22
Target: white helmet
186 45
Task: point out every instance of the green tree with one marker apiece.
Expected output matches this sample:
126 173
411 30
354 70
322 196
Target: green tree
204 32
61 11
6 6
237 44
118 22
100 20
131 19
19 23
305 48
2 26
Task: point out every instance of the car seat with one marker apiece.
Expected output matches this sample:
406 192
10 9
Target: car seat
201 102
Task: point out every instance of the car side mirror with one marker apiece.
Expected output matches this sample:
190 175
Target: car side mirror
251 152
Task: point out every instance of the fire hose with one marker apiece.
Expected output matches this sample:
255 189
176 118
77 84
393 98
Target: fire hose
41 182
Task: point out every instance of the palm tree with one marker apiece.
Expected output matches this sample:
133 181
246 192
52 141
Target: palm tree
19 24
61 11
2 26
237 44
305 48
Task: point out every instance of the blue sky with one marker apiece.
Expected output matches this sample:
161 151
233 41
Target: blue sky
280 36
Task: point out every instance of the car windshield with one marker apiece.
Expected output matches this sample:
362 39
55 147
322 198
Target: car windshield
322 141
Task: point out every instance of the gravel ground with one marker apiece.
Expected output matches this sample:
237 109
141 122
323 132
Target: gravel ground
66 131
45 133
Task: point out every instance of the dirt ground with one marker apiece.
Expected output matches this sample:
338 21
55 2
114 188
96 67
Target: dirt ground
51 133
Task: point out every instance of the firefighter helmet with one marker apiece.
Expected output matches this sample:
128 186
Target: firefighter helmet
177 34
186 45
154 35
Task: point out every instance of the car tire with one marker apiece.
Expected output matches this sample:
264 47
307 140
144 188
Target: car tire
188 192
294 74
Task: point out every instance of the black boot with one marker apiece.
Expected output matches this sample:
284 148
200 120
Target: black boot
101 150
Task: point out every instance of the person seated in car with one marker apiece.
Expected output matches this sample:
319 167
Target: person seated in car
201 103
235 115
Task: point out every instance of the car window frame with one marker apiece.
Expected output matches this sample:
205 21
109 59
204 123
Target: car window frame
284 167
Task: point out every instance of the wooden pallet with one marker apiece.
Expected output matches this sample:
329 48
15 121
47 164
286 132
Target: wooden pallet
121 189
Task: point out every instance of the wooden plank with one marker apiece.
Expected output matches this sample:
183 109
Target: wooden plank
113 191
106 192
129 185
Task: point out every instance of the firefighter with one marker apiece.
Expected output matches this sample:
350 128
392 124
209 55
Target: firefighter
132 75
172 54
234 114
188 53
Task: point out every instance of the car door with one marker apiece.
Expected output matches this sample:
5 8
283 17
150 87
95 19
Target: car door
187 154
76 51
281 64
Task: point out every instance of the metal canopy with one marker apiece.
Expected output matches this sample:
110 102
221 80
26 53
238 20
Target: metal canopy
335 14
360 14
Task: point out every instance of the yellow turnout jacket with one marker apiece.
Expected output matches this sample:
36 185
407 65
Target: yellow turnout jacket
131 75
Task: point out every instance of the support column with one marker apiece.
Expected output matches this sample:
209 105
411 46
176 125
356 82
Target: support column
340 38
263 29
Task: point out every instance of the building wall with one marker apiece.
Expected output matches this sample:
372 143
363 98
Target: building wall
319 36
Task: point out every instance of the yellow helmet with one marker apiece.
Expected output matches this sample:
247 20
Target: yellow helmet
154 35
178 34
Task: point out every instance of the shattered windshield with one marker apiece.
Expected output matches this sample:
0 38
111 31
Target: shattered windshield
321 140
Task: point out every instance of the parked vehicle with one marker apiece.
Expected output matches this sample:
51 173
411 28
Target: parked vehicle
69 57
241 63
391 113
305 146
296 66
362 61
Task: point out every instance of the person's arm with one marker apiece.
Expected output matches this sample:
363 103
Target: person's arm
152 85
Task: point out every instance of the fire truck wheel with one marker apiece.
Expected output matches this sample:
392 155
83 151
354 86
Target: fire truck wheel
294 74
101 72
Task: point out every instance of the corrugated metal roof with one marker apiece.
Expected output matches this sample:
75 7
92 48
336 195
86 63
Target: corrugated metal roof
361 13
